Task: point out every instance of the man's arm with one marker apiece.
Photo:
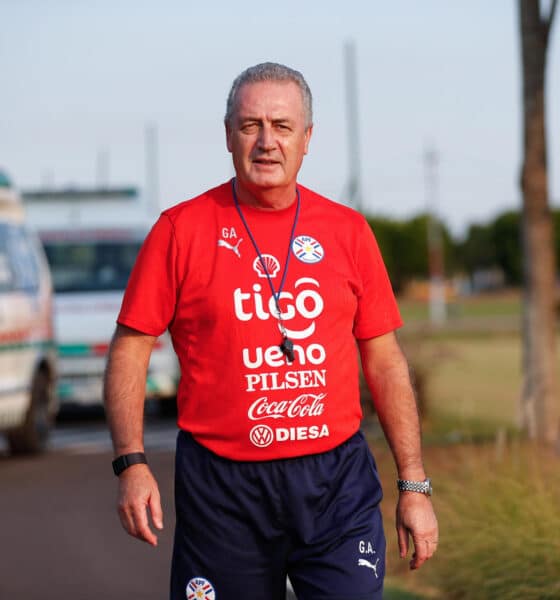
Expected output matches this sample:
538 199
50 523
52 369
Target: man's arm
124 392
386 372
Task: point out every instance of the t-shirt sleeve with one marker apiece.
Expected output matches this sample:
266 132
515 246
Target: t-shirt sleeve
377 311
149 300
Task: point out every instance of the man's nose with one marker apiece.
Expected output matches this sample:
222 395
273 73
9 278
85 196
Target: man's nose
266 138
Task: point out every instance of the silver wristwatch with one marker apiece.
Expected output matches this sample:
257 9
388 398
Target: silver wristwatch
422 487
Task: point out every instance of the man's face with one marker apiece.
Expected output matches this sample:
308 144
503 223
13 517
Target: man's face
267 135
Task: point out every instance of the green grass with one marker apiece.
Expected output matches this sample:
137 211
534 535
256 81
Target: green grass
500 522
469 386
393 593
497 499
498 510
476 380
507 304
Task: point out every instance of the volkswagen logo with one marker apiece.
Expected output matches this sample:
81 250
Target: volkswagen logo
261 436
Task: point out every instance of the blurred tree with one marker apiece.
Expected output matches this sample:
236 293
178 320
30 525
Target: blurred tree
506 234
404 246
413 248
539 402
478 250
556 220
494 245
387 232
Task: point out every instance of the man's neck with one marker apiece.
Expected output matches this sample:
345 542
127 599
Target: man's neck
266 199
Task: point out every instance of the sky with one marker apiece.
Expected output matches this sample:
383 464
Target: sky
82 80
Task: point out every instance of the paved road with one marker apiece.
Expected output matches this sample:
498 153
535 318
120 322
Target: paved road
61 538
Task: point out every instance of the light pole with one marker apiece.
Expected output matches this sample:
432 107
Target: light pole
438 311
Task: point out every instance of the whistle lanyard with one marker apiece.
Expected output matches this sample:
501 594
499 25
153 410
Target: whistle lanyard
287 344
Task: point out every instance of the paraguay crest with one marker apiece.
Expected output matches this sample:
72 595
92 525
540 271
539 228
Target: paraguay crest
199 588
307 249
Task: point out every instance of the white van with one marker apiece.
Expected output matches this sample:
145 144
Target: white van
91 239
28 405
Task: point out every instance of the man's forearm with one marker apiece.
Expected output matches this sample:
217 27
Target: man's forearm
387 375
398 415
124 389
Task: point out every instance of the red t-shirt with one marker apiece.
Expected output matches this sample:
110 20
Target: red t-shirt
199 275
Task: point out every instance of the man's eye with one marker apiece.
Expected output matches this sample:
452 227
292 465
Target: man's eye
249 128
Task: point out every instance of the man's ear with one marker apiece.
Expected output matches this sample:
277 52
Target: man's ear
228 136
308 138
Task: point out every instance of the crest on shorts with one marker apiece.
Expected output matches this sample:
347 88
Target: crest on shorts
307 249
199 588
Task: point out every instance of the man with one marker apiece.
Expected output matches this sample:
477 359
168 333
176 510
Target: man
265 287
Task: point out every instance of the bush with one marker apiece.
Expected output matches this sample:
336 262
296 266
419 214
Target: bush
500 525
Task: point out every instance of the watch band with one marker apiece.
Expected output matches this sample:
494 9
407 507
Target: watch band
422 487
127 460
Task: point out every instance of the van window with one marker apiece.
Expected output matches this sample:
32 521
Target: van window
5 181
90 266
19 270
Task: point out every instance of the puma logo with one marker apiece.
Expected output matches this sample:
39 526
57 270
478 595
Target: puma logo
235 249
362 562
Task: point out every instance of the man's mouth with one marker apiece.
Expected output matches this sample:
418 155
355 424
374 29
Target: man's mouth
265 161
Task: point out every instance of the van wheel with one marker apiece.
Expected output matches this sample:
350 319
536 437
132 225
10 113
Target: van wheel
33 435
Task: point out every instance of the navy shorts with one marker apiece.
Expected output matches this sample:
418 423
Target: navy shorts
242 527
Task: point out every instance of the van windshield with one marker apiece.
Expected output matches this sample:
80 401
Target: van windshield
90 266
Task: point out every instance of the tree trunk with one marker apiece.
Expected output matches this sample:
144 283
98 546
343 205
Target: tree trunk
539 412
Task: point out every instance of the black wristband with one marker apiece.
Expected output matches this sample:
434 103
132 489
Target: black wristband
127 460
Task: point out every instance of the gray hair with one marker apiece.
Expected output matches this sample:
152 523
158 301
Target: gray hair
270 71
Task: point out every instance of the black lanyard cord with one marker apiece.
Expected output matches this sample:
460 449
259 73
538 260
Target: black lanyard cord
287 345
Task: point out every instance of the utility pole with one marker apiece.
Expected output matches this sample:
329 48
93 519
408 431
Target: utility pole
152 170
438 312
354 186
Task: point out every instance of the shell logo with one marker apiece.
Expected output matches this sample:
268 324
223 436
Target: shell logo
268 264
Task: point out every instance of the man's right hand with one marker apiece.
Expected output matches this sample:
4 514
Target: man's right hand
138 500
123 393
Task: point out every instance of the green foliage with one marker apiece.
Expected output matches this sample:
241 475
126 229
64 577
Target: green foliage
556 221
499 527
497 244
479 249
404 246
506 233
387 233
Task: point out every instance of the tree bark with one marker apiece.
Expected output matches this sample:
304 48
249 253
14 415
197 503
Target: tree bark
539 414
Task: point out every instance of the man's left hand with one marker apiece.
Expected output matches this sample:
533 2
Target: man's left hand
416 518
